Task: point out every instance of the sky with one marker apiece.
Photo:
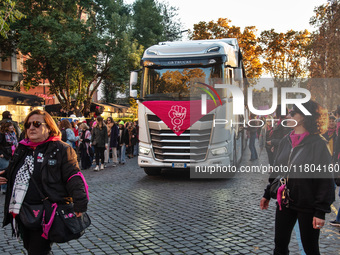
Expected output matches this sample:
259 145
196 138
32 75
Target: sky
281 15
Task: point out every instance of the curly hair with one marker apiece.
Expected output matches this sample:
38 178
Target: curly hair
317 123
5 126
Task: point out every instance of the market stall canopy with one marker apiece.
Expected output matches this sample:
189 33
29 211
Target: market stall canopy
10 97
98 108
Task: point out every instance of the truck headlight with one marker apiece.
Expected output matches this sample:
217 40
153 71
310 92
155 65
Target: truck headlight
143 150
219 151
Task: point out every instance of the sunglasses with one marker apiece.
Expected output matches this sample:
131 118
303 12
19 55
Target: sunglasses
292 113
35 123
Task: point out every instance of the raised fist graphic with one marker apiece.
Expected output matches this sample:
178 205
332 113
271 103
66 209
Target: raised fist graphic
177 115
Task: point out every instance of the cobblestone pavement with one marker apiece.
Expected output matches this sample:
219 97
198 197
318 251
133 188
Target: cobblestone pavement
133 213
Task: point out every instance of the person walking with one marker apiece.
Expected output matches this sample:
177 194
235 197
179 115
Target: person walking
8 144
68 135
308 195
252 138
99 141
7 116
109 124
41 162
123 142
136 147
132 139
265 136
330 134
114 137
86 153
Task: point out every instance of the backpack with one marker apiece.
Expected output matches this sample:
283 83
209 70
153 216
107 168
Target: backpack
63 135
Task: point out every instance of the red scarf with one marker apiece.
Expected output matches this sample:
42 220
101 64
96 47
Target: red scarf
297 138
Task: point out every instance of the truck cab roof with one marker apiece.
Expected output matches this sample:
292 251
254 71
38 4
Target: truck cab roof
196 48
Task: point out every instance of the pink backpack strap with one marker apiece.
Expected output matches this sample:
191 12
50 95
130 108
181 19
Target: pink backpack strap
85 183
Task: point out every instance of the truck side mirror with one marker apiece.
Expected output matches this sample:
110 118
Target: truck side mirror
133 81
238 75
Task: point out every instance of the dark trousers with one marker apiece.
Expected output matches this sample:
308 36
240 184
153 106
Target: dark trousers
99 154
85 158
34 243
270 156
284 225
252 146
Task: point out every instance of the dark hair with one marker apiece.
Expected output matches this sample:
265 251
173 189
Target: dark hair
100 122
331 117
317 123
338 110
65 124
54 130
6 114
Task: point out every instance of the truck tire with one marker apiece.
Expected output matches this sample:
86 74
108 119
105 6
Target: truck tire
152 170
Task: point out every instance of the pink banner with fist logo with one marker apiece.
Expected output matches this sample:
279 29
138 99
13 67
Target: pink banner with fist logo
178 115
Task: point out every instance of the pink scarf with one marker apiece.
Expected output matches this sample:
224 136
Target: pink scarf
297 138
331 131
31 144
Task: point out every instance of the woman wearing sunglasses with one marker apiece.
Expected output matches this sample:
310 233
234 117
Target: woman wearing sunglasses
310 192
41 162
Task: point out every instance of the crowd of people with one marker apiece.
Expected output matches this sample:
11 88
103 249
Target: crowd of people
103 141
97 142
312 140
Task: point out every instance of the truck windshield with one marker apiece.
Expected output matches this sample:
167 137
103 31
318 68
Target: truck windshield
178 83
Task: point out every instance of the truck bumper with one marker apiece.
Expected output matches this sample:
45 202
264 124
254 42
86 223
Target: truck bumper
144 161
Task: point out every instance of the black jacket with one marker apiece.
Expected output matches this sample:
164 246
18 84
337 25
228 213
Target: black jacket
312 191
114 136
99 136
124 138
5 147
278 133
51 173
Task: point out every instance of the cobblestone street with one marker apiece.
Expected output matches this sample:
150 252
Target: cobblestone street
133 213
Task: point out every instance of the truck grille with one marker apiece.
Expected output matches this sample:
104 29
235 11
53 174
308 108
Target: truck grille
192 145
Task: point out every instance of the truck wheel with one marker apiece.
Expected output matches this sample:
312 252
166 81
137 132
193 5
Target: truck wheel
152 170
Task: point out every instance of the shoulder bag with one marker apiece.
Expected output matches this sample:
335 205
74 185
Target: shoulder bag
59 221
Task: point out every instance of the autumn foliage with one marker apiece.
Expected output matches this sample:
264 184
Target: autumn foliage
247 41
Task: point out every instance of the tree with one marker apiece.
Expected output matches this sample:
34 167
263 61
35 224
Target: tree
247 41
154 22
75 45
285 54
324 55
324 58
8 14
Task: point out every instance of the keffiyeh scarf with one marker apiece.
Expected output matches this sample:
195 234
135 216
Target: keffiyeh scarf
20 187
